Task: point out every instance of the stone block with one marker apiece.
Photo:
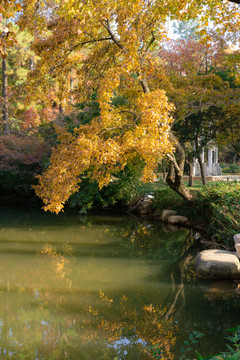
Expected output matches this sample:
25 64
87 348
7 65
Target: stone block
236 238
237 247
217 264
177 220
167 213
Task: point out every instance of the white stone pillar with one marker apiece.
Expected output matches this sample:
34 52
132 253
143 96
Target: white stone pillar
216 155
210 156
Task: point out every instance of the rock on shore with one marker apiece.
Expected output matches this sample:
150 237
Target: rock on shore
217 264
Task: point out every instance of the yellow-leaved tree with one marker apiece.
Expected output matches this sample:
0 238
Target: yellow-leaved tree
107 46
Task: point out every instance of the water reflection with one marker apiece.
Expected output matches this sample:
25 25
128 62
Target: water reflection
54 313
99 288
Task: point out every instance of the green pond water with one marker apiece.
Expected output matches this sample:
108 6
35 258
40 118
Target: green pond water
104 287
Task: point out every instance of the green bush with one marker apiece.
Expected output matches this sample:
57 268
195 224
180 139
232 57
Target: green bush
230 169
125 187
220 203
166 198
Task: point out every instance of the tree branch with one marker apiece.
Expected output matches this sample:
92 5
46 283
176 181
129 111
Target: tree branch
174 161
235 1
113 37
130 112
144 84
150 42
76 46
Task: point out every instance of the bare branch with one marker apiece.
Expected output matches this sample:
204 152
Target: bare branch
113 37
174 161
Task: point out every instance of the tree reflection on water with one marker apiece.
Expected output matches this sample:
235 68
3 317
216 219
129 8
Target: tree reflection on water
112 291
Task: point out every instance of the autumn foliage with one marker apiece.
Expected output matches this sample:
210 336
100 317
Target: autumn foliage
117 50
18 151
91 149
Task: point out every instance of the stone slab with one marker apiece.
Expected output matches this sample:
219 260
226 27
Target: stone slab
217 264
177 220
167 213
236 238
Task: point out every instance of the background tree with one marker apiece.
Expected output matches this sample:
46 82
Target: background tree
19 63
202 83
7 39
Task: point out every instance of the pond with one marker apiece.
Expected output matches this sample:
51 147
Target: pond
104 287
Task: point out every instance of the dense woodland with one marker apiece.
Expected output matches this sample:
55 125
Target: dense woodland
93 92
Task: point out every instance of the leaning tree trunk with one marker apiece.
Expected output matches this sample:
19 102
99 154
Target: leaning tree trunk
6 129
175 175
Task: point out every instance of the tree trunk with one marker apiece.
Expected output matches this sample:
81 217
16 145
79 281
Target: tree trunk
202 170
145 85
235 1
203 176
190 178
164 173
175 175
31 64
6 129
175 182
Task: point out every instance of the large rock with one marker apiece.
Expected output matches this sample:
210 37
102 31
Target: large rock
177 220
217 264
167 213
236 239
237 247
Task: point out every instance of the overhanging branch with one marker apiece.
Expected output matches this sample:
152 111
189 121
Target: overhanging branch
75 47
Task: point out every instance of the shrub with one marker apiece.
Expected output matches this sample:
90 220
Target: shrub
230 169
20 160
124 188
221 204
19 150
233 352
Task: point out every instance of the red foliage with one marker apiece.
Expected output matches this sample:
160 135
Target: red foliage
183 56
16 150
189 56
30 119
49 114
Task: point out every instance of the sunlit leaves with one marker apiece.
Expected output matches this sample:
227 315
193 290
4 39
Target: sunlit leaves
8 9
